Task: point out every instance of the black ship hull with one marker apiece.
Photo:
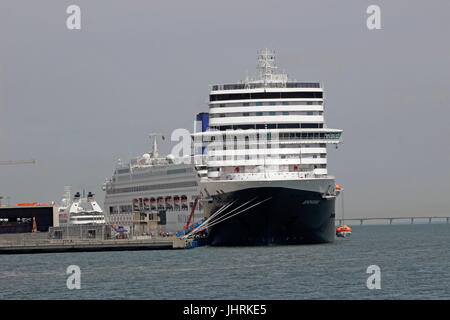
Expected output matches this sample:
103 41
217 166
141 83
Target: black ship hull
288 216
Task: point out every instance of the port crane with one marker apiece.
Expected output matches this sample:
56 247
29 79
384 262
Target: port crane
11 162
192 213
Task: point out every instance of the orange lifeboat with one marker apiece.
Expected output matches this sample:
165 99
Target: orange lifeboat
343 231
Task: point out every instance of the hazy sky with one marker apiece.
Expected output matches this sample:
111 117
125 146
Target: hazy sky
77 100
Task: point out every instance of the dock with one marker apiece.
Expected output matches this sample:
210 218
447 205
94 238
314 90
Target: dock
59 246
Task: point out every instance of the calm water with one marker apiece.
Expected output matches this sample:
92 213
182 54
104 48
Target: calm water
414 262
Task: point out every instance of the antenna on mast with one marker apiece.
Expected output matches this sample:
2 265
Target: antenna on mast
266 64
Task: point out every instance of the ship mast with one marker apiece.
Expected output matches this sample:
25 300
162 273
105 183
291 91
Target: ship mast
266 64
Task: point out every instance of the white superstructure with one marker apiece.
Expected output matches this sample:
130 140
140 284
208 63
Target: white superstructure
269 128
80 210
157 187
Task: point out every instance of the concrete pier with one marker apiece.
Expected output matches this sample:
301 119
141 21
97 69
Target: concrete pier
54 246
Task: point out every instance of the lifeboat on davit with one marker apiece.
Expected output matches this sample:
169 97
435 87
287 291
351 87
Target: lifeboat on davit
343 231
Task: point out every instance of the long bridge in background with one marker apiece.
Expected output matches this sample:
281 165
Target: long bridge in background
391 219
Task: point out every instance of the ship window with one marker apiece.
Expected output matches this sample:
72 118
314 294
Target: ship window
272 113
285 103
272 103
259 104
259 113
309 103
309 113
246 114
285 113
265 95
246 104
175 171
288 126
244 127
310 125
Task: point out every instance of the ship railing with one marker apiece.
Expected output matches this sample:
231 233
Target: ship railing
268 175
241 86
201 141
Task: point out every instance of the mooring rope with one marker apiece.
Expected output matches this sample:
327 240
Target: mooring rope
205 223
228 213
225 217
221 209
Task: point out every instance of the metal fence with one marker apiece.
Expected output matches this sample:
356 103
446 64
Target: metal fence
80 232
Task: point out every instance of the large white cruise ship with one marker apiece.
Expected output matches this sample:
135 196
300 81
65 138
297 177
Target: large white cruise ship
159 188
265 144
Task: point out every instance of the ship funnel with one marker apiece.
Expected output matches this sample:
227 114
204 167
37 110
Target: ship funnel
204 118
154 153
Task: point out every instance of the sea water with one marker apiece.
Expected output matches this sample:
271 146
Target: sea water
414 263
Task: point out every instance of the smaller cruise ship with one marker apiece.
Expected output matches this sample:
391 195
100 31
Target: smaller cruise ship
80 210
153 193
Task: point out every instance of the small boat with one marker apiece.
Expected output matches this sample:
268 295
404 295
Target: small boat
152 204
343 231
146 204
135 204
